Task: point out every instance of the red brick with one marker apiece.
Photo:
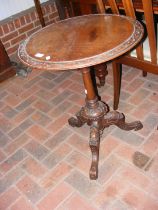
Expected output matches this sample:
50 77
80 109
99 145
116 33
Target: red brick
79 161
76 202
17 143
113 190
22 21
33 16
12 50
45 95
54 15
60 193
154 97
153 189
48 8
27 18
22 203
42 106
46 18
155 110
5 124
139 96
26 28
65 83
56 175
30 189
55 113
2 155
136 83
38 133
57 156
134 176
142 111
37 23
1 31
6 45
13 160
5 28
79 143
34 168
33 30
23 115
17 23
59 123
129 76
106 97
15 89
18 39
53 7
107 146
153 168
150 146
41 118
139 200
12 100
73 109
125 152
7 198
11 26
77 99
76 179
10 36
75 87
43 10
50 22
109 167
28 93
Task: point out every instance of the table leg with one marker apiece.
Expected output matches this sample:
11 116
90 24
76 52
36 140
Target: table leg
101 73
96 114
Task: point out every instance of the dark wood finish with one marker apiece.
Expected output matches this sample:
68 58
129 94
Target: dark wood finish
85 7
65 9
68 8
96 114
39 12
89 39
101 73
138 62
137 4
6 68
92 41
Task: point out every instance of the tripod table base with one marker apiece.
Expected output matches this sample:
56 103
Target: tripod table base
97 116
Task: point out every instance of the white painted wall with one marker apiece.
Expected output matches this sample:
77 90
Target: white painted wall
11 7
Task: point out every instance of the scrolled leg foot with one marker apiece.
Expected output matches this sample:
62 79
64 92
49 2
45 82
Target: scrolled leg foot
76 121
118 119
94 146
136 125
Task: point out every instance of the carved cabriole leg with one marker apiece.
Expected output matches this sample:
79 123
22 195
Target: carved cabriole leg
101 73
96 114
94 146
92 114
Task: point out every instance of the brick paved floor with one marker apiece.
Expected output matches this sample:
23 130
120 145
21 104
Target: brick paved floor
44 163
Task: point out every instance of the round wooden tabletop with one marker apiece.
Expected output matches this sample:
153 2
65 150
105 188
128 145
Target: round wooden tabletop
80 42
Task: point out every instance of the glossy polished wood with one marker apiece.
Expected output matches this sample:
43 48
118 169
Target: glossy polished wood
92 41
39 12
140 62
